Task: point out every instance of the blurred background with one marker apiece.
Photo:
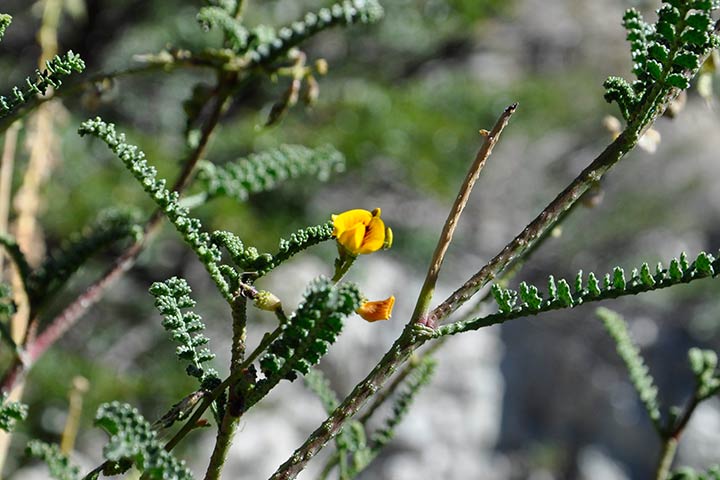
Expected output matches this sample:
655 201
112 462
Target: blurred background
538 398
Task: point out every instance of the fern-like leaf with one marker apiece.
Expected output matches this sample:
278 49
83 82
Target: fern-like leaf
58 463
687 473
704 365
307 336
11 413
560 295
190 228
110 227
250 260
132 438
5 21
630 354
185 328
263 171
55 70
220 17
419 377
347 12
316 381
665 55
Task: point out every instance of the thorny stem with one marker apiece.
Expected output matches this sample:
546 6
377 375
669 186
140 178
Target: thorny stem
428 288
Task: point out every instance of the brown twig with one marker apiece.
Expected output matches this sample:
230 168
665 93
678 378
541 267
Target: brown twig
428 288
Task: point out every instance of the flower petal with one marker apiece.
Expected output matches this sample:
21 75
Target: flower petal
350 219
352 238
378 310
374 237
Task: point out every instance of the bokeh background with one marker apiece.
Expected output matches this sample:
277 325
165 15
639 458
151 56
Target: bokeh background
540 398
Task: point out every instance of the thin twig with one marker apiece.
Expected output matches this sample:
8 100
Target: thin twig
538 227
428 288
666 458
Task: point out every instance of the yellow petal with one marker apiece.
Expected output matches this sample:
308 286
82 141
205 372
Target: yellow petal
351 218
378 310
352 238
374 237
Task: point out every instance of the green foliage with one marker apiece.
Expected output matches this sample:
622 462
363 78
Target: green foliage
10 413
16 255
316 381
132 438
263 171
185 329
237 35
687 473
420 376
5 21
704 363
249 260
7 306
665 55
560 295
55 69
190 228
347 12
637 370
7 310
307 336
110 227
57 462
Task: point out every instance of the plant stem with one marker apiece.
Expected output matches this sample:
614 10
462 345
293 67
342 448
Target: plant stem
235 407
672 437
666 458
539 226
428 288
215 394
6 169
398 353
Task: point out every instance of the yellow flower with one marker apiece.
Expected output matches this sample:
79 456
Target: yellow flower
377 310
359 231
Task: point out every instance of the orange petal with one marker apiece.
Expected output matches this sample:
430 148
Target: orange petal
378 310
374 237
352 238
